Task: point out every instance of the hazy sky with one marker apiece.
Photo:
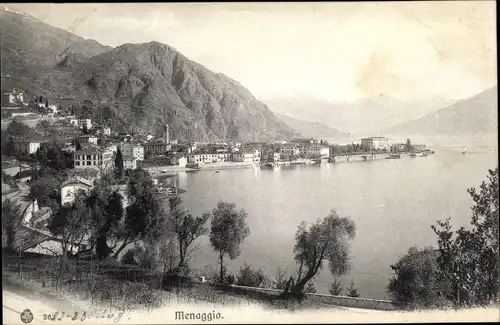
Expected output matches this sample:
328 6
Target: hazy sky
334 51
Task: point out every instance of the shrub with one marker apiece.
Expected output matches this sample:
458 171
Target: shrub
249 277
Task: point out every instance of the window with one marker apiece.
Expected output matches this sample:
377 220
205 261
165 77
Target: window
88 157
88 163
77 163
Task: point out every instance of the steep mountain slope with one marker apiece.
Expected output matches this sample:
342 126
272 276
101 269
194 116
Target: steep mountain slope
313 129
32 50
473 116
140 87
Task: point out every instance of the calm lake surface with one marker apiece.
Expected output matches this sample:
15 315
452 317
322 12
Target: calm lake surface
393 202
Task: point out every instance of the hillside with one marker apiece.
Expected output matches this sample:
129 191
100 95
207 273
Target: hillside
313 129
140 87
473 116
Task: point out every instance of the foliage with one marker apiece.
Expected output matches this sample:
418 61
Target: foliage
250 277
416 282
185 227
72 222
279 281
469 260
228 230
144 215
51 155
352 291
310 288
408 145
336 288
119 171
11 218
45 188
327 239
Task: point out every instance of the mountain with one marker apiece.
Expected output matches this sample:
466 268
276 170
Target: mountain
136 87
313 129
472 116
364 117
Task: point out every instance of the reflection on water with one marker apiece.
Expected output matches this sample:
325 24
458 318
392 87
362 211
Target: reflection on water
393 203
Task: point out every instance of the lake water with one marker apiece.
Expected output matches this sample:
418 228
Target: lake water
393 202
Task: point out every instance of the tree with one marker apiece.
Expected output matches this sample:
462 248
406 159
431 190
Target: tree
327 239
279 280
72 223
352 291
186 227
9 147
336 288
105 206
47 103
469 259
119 164
11 219
416 282
310 288
144 216
250 277
228 230
408 145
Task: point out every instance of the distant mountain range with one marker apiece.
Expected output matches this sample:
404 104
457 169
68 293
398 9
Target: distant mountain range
140 87
477 115
365 117
314 129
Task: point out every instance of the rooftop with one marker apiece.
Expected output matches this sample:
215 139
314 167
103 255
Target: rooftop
77 179
91 149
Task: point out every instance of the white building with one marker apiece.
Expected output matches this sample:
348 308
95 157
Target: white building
81 123
375 143
93 157
26 146
243 156
204 158
133 150
70 187
13 97
106 131
129 162
87 139
288 150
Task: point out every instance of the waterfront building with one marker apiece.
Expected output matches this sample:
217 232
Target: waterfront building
208 157
155 148
398 147
93 157
243 156
289 150
375 143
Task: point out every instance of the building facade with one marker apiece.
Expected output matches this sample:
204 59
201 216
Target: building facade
155 148
81 123
207 158
133 150
89 157
375 143
26 147
70 188
129 162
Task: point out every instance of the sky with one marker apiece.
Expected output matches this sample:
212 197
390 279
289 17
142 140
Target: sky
336 52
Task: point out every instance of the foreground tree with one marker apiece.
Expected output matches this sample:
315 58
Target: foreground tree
326 240
352 291
11 219
336 288
186 228
144 215
250 277
416 282
228 230
468 261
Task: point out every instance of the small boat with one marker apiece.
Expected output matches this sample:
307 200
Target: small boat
413 155
393 156
465 151
423 154
217 171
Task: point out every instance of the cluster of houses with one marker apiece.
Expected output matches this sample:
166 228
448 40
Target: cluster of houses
13 103
383 143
